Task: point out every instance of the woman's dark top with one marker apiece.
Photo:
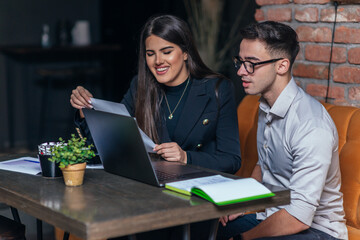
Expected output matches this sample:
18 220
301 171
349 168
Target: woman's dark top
173 95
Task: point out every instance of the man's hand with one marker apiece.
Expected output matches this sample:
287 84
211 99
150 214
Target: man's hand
225 219
171 152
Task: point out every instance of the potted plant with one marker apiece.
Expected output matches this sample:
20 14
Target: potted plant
71 157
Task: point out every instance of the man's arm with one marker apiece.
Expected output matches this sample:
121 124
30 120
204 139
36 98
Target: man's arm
256 173
279 223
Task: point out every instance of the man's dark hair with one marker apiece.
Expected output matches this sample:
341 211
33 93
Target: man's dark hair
280 39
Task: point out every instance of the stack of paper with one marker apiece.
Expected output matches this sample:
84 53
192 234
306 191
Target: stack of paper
28 165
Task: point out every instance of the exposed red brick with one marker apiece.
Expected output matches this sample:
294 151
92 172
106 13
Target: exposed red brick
298 83
344 14
322 54
259 15
309 34
316 90
271 2
340 102
310 71
279 14
346 75
354 56
347 35
354 93
311 1
320 91
307 15
300 55
347 1
337 92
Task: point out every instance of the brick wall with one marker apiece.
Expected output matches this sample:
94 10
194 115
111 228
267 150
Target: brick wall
313 21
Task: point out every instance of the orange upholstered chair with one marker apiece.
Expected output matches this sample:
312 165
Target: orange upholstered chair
347 121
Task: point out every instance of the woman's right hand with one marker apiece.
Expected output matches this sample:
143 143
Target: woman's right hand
80 98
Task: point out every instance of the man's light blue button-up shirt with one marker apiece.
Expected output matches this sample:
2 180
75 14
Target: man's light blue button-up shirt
297 143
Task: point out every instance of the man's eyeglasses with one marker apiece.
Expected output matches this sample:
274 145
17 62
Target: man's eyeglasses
250 66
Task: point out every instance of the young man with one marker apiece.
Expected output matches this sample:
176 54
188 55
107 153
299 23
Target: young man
297 144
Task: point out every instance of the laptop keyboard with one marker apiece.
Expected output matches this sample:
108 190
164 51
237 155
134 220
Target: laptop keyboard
163 176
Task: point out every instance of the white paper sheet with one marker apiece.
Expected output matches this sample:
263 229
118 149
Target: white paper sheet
237 189
188 184
111 107
94 166
28 165
119 108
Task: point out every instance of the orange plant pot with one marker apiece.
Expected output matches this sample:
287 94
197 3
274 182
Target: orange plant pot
74 174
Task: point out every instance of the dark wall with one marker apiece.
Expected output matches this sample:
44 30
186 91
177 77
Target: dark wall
121 24
111 22
21 24
21 20
233 9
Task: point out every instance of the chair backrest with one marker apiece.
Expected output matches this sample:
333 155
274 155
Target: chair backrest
347 121
247 113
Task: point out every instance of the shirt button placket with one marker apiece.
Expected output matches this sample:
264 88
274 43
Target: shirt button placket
267 137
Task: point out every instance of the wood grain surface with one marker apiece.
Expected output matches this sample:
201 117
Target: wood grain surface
108 205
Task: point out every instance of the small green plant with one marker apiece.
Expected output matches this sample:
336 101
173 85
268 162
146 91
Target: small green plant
73 151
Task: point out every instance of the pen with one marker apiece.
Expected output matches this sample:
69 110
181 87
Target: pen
31 161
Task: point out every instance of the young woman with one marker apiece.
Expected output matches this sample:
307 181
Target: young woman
186 108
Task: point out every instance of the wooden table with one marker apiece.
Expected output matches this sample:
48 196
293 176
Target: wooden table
108 205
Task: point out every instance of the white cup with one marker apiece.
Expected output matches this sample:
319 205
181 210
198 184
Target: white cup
81 33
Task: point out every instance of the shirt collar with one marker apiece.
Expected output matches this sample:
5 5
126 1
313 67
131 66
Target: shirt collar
283 102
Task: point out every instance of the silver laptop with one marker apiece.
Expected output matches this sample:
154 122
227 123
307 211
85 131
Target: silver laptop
122 151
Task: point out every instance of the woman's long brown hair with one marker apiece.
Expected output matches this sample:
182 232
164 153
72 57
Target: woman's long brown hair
149 93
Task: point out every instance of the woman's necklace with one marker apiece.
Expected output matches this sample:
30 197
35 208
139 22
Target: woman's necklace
167 103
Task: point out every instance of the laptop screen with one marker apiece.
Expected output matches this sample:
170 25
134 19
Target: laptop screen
120 146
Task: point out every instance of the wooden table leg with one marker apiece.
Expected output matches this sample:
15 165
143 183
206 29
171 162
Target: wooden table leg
15 214
213 229
39 229
66 236
186 232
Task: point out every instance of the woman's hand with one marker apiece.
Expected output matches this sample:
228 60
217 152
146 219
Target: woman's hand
171 151
80 98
